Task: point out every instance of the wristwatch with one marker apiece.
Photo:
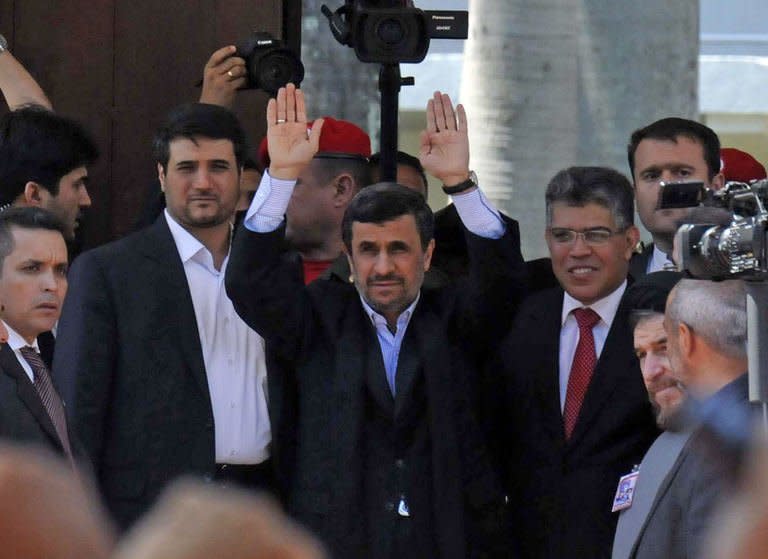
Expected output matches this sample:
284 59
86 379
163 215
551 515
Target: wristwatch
462 186
3 44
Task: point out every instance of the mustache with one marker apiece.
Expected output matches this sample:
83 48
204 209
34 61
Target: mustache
385 278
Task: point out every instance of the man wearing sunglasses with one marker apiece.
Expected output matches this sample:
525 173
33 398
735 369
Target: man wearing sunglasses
574 412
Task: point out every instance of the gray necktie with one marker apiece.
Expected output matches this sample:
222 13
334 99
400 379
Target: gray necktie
48 396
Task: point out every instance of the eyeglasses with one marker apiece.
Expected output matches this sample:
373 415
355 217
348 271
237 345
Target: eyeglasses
594 236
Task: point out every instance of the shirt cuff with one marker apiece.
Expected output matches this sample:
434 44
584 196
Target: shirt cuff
267 210
478 214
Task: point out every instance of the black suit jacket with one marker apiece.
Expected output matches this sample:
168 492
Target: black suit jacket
451 257
129 360
638 264
561 491
46 342
331 363
23 417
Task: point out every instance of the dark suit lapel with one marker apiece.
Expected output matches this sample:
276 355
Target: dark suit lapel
407 368
160 250
27 392
546 376
46 342
638 264
353 351
376 375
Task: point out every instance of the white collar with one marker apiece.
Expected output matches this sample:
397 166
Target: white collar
16 341
658 259
187 245
606 307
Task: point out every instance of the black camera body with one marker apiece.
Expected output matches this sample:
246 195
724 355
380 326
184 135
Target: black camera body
390 32
270 65
717 250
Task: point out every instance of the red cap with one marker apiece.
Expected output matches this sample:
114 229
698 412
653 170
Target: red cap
737 165
337 136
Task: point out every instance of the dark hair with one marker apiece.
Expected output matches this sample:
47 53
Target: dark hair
649 294
386 201
636 316
25 217
669 129
327 167
579 186
249 164
40 146
401 158
200 120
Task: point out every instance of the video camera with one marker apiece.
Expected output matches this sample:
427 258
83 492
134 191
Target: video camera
737 249
392 31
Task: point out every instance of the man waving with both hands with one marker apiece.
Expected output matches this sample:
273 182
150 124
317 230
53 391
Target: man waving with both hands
374 422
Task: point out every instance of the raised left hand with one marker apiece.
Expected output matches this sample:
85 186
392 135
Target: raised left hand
444 150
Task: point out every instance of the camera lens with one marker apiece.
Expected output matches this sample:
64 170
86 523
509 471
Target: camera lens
276 68
390 31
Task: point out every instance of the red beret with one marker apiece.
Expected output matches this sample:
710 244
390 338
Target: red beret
737 165
337 136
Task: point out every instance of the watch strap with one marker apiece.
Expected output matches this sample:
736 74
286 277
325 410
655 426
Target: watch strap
462 186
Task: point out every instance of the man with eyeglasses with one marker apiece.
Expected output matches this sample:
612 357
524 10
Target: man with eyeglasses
574 415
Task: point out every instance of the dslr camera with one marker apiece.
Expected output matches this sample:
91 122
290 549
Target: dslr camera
717 250
269 63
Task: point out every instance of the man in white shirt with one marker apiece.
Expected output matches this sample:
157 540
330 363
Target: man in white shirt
33 283
573 412
669 150
163 377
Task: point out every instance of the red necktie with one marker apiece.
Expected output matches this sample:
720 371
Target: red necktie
581 370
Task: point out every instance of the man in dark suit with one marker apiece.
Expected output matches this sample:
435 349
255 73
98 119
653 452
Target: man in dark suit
388 459
676 487
163 377
33 283
669 150
572 414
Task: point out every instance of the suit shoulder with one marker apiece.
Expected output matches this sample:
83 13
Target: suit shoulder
537 320
545 301
116 252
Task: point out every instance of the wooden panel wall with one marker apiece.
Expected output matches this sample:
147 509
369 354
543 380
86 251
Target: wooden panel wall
120 65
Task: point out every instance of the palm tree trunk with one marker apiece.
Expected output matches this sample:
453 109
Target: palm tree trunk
554 83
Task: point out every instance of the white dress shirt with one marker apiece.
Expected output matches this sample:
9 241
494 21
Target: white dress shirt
658 261
233 354
16 342
569 332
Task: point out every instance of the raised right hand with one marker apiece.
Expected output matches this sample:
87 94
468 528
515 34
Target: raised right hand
291 147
